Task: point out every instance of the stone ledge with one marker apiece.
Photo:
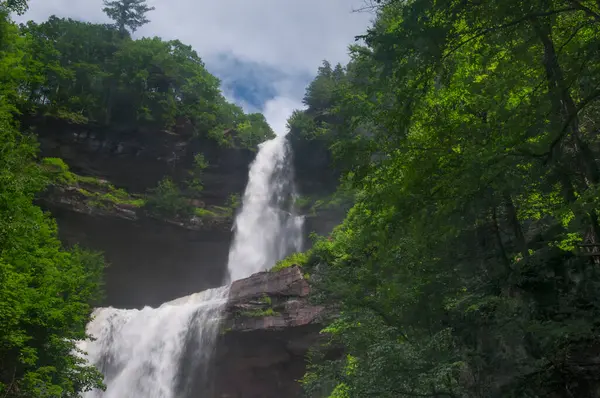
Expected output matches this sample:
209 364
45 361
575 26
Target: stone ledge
270 301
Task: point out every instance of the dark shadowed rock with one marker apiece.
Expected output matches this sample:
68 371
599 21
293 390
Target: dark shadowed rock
137 160
150 261
268 329
287 282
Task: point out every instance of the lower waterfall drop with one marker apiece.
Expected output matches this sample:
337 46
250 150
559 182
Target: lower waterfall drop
165 352
141 352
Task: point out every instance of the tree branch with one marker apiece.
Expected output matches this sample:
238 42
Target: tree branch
585 9
585 102
504 26
10 386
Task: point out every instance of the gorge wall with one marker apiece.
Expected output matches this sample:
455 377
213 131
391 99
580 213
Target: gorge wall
150 260
155 260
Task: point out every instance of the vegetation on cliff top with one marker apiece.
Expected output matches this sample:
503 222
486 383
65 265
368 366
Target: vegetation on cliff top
88 73
97 76
46 292
468 266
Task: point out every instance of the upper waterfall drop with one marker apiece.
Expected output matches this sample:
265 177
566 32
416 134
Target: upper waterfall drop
267 227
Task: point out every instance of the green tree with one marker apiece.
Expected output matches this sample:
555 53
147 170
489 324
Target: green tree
46 291
17 6
88 74
127 13
194 182
467 266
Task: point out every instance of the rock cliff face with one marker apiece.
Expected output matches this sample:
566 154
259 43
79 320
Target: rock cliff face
137 160
317 178
268 329
150 261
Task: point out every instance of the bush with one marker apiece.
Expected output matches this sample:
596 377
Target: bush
298 258
166 200
57 171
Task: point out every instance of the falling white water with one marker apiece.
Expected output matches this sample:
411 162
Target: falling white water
266 230
165 352
140 352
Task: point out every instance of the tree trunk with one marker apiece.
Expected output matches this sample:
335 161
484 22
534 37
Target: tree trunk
567 117
501 247
516 225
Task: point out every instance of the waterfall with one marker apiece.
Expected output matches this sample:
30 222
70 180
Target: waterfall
165 352
266 230
141 352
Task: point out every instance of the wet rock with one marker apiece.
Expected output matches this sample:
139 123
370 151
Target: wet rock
268 329
287 282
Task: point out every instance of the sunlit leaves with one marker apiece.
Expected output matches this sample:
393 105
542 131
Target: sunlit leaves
476 196
46 292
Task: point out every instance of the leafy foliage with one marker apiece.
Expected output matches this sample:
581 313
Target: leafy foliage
468 264
167 200
17 6
46 291
291 260
194 183
88 73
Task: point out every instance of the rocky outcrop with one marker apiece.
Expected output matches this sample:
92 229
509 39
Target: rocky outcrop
268 329
97 204
149 261
136 160
270 301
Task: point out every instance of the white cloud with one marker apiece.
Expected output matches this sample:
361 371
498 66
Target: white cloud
291 37
277 111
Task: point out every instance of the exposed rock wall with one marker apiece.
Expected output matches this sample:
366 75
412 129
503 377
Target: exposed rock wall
137 160
317 177
150 261
268 329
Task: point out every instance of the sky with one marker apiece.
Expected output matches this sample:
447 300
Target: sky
264 51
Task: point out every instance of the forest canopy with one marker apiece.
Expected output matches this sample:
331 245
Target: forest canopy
468 266
93 74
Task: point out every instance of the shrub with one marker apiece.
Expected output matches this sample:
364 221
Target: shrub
57 171
166 200
298 258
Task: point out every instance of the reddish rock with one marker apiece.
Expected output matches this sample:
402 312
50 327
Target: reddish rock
268 329
287 282
270 300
